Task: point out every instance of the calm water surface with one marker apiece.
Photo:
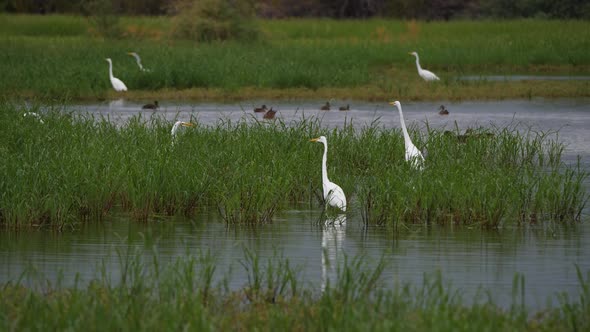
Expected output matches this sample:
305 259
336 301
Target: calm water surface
467 258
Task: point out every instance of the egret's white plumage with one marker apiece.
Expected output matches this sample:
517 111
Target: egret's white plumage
118 85
177 126
425 74
138 60
413 155
333 194
34 115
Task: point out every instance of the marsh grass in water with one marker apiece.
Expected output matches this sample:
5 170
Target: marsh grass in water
70 168
189 293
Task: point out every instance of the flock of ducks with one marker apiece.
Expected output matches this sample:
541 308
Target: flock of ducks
270 113
327 106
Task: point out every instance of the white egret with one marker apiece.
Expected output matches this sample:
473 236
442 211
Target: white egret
425 74
118 85
153 106
413 155
34 115
179 124
333 194
138 60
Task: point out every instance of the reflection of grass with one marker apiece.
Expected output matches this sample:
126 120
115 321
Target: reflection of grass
186 295
70 168
58 56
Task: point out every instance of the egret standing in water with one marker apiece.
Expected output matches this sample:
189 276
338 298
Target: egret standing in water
118 85
413 155
138 60
425 74
333 194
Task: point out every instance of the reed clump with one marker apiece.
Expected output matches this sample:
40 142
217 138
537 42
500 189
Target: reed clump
71 167
190 293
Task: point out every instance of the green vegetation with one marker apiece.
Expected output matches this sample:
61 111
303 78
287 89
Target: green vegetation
58 56
215 20
185 295
72 167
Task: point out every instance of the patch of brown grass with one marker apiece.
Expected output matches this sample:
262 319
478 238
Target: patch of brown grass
403 87
142 32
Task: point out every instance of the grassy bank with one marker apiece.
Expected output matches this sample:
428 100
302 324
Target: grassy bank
59 56
183 295
71 168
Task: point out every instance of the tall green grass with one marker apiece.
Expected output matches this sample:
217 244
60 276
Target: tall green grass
190 294
74 167
59 56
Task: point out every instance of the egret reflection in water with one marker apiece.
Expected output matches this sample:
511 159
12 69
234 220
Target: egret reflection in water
116 104
333 237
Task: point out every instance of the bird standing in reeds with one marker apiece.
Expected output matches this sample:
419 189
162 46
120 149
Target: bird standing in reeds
118 85
333 194
138 60
412 155
425 74
177 126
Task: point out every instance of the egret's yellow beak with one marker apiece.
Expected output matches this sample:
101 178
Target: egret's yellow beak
129 53
188 124
314 139
392 103
410 53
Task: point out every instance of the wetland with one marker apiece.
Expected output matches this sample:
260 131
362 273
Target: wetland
108 221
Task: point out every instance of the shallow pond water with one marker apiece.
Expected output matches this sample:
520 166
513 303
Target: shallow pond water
506 78
467 258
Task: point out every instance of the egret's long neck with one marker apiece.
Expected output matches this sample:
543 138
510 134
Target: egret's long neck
418 63
407 139
110 69
139 62
324 167
175 129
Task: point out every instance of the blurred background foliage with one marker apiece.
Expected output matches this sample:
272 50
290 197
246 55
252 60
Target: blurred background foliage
408 9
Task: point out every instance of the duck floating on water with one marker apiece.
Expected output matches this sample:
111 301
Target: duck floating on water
153 106
270 114
260 109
